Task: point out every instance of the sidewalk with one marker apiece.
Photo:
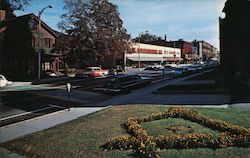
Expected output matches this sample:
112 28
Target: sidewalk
13 131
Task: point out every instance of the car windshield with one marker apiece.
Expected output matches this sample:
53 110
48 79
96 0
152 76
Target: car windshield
89 68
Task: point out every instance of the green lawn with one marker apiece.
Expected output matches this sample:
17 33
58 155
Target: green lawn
174 126
85 136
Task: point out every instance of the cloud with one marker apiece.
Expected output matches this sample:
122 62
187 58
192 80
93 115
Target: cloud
187 19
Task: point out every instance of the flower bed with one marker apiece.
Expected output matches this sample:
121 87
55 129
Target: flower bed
146 146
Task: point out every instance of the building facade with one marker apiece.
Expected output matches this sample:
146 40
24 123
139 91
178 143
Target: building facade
205 51
21 42
153 53
185 47
234 45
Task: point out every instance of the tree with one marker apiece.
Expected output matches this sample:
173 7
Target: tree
10 5
146 37
94 31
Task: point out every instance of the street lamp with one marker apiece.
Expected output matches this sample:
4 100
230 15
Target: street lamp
139 60
39 38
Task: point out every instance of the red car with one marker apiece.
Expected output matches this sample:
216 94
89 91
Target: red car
92 72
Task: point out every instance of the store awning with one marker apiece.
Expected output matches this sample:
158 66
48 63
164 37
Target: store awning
145 58
173 59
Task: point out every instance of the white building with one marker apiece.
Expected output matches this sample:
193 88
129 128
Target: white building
153 53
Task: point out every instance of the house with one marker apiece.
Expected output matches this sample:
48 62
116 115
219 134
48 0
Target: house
21 42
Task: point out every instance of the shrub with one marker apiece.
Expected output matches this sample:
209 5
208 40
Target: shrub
145 145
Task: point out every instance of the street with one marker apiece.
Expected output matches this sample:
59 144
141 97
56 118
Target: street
36 101
22 105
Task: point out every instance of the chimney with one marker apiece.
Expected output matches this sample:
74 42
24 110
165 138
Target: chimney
2 15
165 40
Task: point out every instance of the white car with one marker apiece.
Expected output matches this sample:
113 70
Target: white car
195 68
4 81
181 71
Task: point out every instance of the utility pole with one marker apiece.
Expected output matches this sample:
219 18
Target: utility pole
139 58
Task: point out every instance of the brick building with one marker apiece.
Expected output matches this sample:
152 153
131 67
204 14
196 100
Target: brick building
234 45
185 47
20 42
205 51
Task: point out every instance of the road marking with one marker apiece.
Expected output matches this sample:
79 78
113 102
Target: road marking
26 113
56 106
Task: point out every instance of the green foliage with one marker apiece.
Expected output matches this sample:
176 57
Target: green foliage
94 30
146 37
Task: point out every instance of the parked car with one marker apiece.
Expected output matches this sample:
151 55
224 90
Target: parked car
123 83
181 71
154 66
116 70
195 68
170 65
91 72
4 81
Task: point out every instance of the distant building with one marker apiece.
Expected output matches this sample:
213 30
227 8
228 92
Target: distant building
234 44
205 51
21 41
147 53
185 47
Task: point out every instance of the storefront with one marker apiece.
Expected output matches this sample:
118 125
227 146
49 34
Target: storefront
147 53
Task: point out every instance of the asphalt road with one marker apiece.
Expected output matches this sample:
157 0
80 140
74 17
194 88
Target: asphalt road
21 105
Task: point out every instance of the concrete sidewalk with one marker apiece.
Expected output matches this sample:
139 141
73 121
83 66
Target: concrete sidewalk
20 129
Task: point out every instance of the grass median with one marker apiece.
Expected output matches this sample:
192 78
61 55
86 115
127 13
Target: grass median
85 136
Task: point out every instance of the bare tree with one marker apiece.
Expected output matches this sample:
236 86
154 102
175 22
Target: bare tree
94 31
10 5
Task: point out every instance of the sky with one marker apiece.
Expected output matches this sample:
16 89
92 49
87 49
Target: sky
177 19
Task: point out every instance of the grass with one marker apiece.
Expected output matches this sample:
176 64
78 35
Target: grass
85 136
174 126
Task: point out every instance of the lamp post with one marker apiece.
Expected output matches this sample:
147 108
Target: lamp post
124 61
39 38
139 60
